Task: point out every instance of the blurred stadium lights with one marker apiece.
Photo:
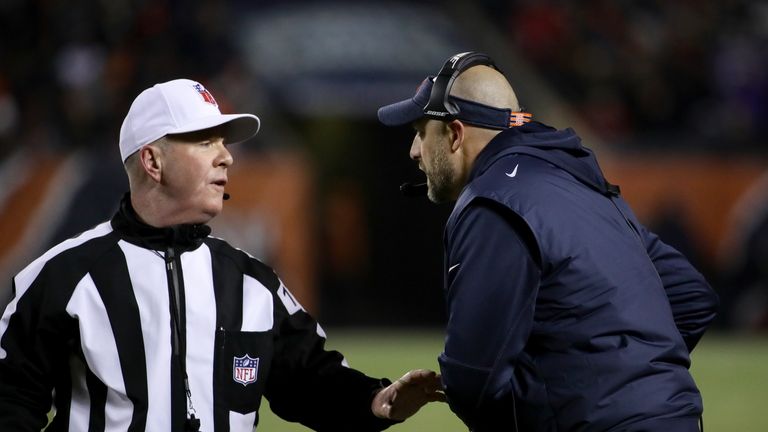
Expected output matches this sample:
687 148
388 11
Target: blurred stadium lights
346 59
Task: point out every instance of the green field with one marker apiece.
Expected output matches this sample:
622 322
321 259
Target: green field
732 374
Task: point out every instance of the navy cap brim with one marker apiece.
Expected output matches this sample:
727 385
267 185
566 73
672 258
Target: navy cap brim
409 110
400 113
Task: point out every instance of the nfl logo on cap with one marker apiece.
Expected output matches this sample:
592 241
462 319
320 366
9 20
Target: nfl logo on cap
245 369
207 96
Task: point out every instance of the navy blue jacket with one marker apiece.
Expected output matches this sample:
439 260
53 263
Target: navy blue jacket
564 312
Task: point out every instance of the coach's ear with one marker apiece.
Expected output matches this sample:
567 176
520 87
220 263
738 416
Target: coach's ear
151 160
456 132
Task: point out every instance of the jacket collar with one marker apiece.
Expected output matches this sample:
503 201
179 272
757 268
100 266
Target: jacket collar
534 134
561 148
183 237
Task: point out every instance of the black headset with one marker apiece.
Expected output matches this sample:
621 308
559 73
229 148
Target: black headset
439 107
445 108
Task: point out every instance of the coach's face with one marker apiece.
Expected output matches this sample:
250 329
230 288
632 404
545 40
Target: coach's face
431 148
195 174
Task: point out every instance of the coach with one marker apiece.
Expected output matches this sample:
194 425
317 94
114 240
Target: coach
145 322
564 312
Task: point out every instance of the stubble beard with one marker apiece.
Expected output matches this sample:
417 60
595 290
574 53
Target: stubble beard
439 178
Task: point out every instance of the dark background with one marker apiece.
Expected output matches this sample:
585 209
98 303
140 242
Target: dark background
681 79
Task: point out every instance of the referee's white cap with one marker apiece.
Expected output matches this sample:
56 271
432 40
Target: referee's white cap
179 106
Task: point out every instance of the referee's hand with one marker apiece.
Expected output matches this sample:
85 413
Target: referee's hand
404 397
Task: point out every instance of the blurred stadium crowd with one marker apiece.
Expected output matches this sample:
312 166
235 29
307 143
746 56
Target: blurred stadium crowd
671 76
685 73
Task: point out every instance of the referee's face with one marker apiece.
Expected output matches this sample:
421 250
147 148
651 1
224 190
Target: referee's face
195 174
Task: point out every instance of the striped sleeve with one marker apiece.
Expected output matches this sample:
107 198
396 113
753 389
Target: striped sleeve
312 385
34 334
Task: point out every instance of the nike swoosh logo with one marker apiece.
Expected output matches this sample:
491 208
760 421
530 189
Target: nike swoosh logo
513 173
451 268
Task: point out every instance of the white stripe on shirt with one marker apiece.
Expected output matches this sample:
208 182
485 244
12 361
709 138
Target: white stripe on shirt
200 303
98 344
25 277
258 308
149 281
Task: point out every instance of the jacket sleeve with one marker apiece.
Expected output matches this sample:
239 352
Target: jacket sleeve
311 385
694 302
492 282
27 347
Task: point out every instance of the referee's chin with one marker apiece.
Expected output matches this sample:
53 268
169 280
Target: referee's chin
203 213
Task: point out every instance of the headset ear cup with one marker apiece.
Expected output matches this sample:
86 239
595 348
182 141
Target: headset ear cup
439 107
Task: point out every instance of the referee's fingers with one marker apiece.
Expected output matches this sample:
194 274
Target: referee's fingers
418 375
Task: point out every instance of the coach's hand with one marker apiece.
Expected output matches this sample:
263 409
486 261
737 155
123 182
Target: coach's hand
404 397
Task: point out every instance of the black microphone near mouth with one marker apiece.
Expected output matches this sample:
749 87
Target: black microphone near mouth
225 196
414 189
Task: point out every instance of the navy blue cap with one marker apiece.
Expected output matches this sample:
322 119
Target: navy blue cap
474 113
409 110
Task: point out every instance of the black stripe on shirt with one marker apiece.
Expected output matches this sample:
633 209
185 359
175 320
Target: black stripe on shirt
113 283
227 287
178 396
228 290
97 392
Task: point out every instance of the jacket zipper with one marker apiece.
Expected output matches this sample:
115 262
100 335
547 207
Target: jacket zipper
172 272
173 279
223 339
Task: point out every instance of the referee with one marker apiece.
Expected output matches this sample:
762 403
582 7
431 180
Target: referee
145 323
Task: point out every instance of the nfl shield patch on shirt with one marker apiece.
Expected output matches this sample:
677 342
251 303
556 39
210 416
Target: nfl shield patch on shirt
245 369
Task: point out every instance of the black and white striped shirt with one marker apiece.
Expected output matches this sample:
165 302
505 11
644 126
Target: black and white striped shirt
92 323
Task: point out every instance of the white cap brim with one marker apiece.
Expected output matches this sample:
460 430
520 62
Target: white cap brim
237 127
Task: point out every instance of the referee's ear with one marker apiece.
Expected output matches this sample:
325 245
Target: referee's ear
150 158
